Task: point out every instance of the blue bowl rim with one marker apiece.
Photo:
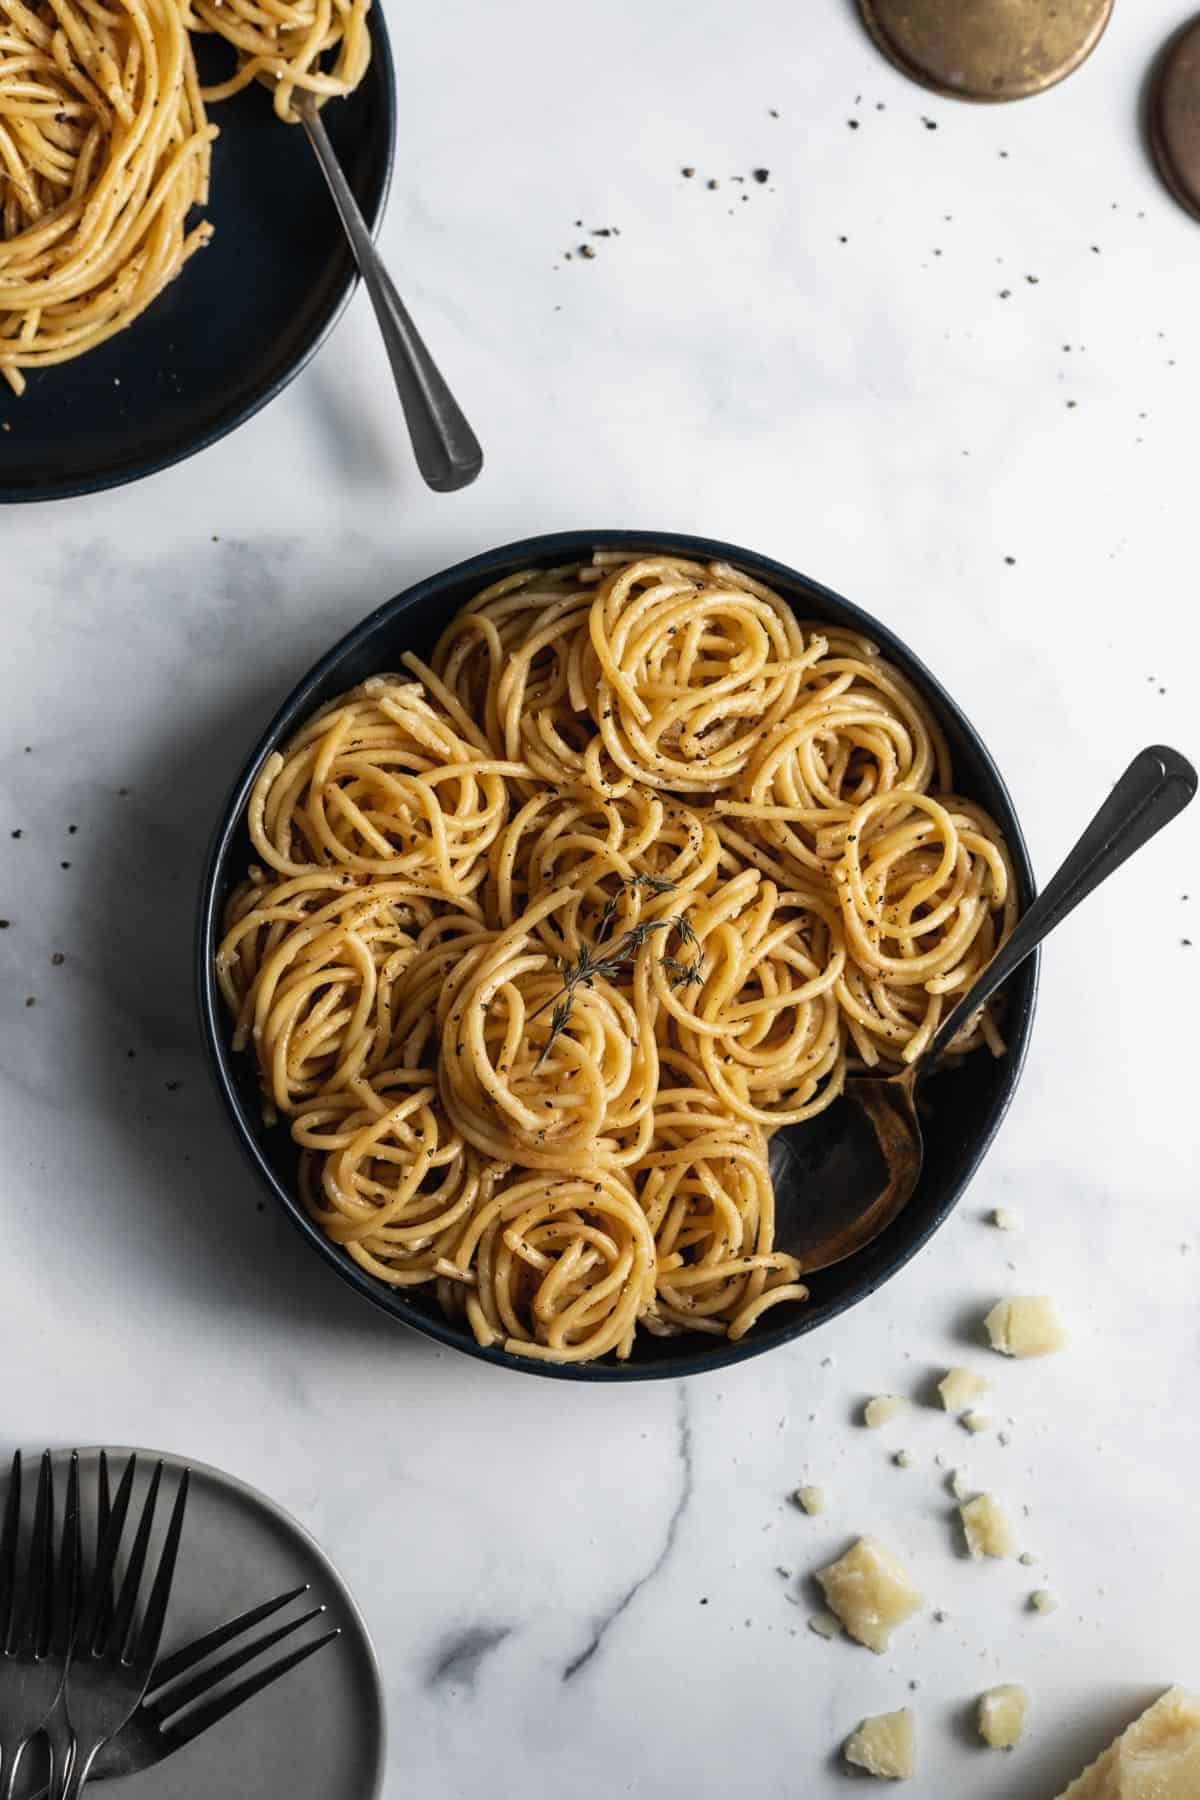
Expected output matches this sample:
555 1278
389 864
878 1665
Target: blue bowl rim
547 550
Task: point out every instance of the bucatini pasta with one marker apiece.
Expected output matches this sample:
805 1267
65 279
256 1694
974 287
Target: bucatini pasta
546 938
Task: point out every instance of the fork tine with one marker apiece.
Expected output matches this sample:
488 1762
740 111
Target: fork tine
219 1708
103 1514
200 1684
66 1591
39 1587
93 1620
8 1553
171 1667
160 1594
119 1637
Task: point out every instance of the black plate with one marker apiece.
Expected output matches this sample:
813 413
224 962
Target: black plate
967 1103
244 316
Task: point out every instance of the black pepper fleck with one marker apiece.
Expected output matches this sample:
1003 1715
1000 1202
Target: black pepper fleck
58 959
687 173
761 175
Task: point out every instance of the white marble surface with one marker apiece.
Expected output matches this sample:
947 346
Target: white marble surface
873 412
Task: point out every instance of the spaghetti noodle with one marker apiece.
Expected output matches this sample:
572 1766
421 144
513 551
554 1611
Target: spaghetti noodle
322 47
104 151
547 938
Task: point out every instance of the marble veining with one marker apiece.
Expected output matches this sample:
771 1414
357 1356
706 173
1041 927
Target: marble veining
605 1624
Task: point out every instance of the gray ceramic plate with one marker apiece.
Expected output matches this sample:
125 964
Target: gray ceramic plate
318 1732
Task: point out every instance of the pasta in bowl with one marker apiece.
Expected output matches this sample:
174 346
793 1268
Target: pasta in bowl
534 930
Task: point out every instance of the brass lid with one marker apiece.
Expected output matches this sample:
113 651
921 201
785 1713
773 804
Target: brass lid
987 49
1175 117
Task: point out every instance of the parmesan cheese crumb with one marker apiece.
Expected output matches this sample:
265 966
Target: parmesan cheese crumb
959 1387
884 1746
1029 1326
904 1459
976 1422
824 1624
884 1407
1002 1715
987 1526
1158 1758
1004 1220
870 1591
1043 1601
812 1500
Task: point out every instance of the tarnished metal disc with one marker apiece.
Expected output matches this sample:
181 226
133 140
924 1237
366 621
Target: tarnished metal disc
1175 117
987 49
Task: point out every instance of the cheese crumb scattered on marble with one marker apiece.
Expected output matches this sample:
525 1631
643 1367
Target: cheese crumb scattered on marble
824 1624
1027 1557
1004 1220
1043 1601
987 1526
960 1484
882 1408
1158 1758
1028 1326
959 1387
812 1500
904 1459
871 1592
1002 1715
884 1746
976 1422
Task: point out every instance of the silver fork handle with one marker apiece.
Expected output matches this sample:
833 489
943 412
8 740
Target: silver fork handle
61 1740
69 1784
447 450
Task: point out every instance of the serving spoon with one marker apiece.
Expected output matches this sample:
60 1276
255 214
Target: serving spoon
838 1187
447 450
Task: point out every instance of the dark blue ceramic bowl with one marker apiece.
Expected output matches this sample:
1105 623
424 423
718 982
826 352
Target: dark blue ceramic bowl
968 1102
243 317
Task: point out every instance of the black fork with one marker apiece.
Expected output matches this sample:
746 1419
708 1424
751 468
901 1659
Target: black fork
37 1609
155 1731
113 1653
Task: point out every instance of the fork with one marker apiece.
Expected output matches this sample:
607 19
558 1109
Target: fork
36 1615
153 1733
112 1656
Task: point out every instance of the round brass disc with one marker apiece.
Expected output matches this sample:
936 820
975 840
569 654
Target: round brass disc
1175 117
987 49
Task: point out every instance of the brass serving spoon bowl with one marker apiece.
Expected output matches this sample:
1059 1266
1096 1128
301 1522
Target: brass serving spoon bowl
833 1197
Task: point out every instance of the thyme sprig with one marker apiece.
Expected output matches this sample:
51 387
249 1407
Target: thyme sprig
607 961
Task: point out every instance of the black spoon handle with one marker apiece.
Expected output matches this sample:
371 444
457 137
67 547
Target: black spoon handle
1157 785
